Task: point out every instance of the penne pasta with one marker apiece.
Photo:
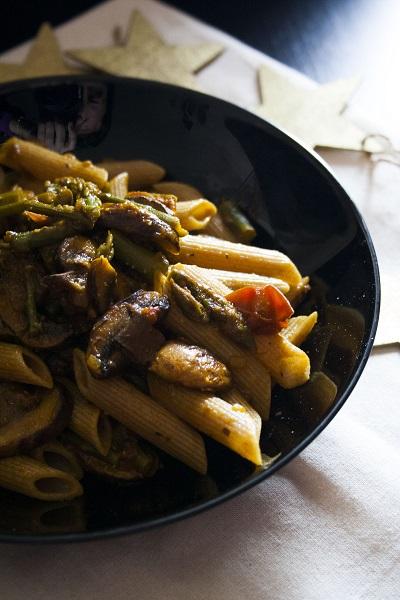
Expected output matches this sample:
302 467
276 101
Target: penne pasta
250 376
20 364
183 191
142 415
81 263
234 280
32 478
236 399
195 214
119 185
288 364
227 423
45 164
88 421
299 328
209 252
54 454
216 228
141 173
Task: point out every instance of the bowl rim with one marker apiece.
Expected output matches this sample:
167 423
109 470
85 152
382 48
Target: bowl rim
317 161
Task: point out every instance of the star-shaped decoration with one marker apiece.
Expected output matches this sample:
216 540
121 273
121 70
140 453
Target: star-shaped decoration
147 56
313 114
43 59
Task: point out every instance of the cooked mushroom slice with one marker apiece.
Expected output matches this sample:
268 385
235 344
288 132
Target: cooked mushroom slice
127 459
127 332
14 304
189 365
68 290
139 223
164 202
76 251
30 418
51 334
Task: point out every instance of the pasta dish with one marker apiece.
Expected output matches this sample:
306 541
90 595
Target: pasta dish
136 317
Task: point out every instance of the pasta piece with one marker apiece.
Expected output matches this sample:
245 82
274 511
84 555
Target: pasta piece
233 427
234 280
57 456
299 328
45 164
288 364
141 173
250 376
210 252
88 421
183 191
217 228
195 214
32 478
142 415
20 364
236 399
119 185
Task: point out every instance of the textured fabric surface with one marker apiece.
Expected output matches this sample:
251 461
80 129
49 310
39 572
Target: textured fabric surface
325 527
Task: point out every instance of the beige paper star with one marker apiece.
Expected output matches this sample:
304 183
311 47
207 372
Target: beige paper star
145 55
43 59
314 115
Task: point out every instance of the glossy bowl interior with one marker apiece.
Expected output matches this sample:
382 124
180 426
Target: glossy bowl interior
299 208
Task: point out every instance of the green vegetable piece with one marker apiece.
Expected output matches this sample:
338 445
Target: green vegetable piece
28 240
237 221
35 325
137 257
11 197
106 249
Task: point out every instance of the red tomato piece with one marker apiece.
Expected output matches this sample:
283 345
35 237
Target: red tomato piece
265 308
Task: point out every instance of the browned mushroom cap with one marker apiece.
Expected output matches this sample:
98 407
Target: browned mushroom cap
29 418
68 289
127 459
138 223
13 300
127 332
76 251
189 365
158 201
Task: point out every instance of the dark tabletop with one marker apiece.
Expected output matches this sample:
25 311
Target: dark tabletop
323 38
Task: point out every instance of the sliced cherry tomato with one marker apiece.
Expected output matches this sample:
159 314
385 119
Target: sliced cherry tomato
265 308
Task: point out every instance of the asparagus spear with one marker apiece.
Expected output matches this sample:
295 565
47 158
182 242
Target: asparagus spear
237 221
141 259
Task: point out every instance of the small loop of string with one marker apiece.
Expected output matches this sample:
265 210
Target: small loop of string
387 154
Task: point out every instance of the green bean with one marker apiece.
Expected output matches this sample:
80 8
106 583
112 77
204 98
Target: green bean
237 221
11 197
137 257
34 323
28 240
106 249
59 211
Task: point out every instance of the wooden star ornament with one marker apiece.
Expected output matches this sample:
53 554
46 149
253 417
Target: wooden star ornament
43 59
147 56
313 114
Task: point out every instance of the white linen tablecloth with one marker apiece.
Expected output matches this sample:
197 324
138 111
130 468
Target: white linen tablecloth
325 527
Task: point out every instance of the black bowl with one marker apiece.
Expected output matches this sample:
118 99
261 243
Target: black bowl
300 208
